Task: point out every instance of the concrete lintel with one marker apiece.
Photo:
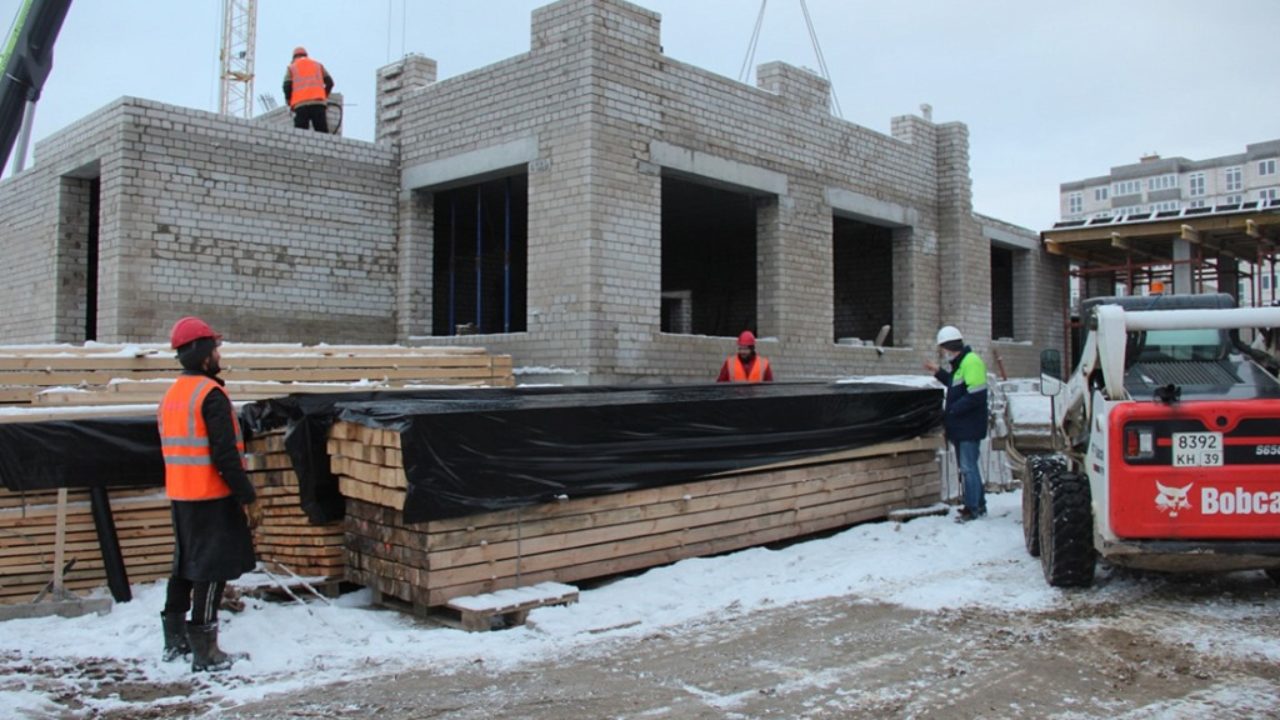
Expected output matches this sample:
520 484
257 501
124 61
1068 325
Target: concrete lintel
693 162
873 210
1008 239
469 164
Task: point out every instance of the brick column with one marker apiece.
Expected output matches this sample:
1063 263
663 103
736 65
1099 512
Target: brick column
415 245
963 253
395 81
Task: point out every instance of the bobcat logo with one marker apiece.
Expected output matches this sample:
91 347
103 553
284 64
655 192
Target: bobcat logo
1172 499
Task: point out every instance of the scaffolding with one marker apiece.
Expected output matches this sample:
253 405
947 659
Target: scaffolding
1224 248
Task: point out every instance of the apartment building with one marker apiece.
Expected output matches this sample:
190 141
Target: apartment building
1156 184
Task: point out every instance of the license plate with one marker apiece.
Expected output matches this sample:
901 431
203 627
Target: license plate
1197 449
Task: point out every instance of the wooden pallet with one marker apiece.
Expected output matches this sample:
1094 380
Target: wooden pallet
509 608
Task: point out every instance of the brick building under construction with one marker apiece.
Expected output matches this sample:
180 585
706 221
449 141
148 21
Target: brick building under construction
591 205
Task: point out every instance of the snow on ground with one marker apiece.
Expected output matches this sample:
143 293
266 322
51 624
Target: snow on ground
929 563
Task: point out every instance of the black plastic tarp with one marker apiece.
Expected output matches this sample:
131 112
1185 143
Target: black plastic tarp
471 451
476 450
84 453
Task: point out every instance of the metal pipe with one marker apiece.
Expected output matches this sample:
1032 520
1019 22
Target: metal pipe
453 263
24 137
479 257
506 257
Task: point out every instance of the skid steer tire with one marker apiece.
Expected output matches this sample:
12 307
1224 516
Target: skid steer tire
1067 555
1274 574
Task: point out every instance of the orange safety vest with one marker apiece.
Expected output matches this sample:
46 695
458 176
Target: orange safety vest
738 372
307 77
189 472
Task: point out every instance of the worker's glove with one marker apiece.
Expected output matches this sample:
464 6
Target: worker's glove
253 513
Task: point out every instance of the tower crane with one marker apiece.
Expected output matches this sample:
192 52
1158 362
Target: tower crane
239 38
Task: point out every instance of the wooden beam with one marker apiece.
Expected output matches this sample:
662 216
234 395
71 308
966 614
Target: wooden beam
1190 234
1118 241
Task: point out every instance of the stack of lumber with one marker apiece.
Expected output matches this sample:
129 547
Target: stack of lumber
428 564
28 530
131 374
368 463
284 534
66 382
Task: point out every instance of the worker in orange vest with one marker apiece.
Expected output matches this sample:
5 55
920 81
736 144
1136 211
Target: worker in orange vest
306 89
746 366
209 492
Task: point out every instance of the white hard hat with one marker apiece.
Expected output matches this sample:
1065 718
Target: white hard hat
947 333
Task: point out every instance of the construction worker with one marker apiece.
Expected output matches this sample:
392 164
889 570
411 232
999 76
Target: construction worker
746 366
965 418
209 492
306 89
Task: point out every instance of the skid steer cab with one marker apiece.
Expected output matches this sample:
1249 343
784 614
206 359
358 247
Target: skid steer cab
1166 443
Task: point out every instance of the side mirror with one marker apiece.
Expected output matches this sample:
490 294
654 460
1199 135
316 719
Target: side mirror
1050 372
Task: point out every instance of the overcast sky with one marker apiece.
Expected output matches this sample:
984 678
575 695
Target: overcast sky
1050 91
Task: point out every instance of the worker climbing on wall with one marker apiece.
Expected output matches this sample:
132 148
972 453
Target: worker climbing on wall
965 418
746 366
306 89
209 491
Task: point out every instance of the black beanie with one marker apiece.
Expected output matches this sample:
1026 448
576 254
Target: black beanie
193 354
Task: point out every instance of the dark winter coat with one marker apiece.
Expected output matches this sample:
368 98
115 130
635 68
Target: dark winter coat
212 537
966 408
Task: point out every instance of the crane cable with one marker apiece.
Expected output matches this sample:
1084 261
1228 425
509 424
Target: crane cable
751 46
813 39
822 61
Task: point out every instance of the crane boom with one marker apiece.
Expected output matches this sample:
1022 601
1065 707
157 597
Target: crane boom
27 61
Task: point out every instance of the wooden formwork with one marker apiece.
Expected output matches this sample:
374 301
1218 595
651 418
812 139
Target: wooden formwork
430 563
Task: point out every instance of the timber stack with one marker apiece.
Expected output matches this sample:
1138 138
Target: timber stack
427 564
283 535
40 383
28 540
139 374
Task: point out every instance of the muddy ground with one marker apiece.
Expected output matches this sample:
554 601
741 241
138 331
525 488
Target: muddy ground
1159 647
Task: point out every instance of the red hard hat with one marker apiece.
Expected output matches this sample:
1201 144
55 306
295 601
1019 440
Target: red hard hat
189 329
299 51
747 339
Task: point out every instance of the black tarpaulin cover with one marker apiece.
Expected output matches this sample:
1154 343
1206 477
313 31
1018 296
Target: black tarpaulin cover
468 451
104 452
475 451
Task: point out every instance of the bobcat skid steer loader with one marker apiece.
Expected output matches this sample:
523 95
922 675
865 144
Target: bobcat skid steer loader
1165 443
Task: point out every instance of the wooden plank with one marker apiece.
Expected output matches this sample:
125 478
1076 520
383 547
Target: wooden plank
21 414
371 493
617 541
693 501
665 493
779 515
669 518
381 476
440 594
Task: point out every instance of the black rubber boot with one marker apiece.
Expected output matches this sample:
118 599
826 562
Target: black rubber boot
206 656
175 636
